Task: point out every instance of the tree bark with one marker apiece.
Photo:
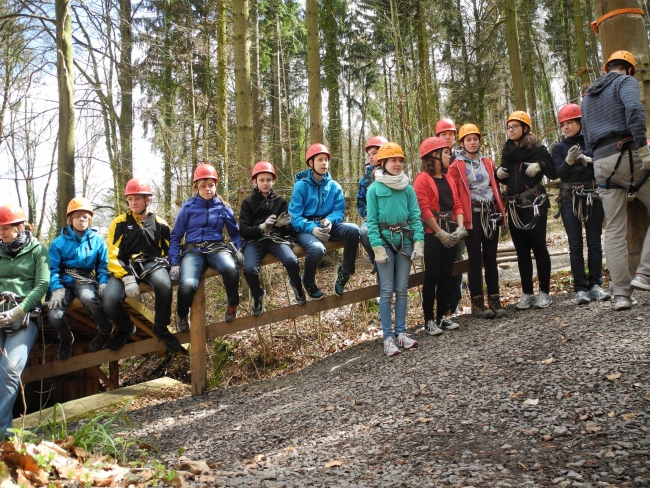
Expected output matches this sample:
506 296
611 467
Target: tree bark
528 59
512 41
582 49
125 80
255 80
425 99
332 67
313 74
277 110
222 93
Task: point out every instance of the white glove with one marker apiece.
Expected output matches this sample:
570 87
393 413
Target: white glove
58 299
326 224
644 152
239 258
175 272
447 239
380 255
101 290
584 160
418 251
12 315
532 169
321 234
268 224
502 173
459 233
283 219
131 287
573 154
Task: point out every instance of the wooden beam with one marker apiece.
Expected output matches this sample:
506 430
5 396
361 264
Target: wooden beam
198 348
107 381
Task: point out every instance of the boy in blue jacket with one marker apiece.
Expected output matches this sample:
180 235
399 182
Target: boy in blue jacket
317 210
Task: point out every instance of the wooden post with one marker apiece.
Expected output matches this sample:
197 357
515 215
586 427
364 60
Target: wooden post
114 373
198 349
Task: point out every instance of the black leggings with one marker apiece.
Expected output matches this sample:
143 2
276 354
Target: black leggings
535 240
474 241
438 264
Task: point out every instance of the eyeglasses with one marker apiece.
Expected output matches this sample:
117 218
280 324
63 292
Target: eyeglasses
512 127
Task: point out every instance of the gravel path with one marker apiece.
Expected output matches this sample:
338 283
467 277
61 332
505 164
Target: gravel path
558 397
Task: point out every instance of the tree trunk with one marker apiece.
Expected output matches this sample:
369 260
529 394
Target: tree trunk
331 64
589 8
277 109
512 41
125 80
313 74
528 59
582 49
65 191
255 80
568 52
192 101
222 93
468 87
426 96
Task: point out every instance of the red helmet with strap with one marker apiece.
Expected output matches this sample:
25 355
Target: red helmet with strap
204 171
375 141
12 214
315 149
430 144
445 124
568 112
263 167
138 186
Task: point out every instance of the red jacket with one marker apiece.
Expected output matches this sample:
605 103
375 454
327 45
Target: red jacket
427 193
457 173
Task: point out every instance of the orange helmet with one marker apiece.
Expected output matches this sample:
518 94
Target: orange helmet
519 116
375 141
445 124
204 171
622 56
11 214
430 144
315 149
80 203
138 186
468 129
390 150
263 167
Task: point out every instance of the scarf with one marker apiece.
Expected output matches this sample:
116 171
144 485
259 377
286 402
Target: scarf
18 244
516 154
398 182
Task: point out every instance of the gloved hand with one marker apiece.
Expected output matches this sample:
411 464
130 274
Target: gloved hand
418 251
283 219
131 287
57 300
502 173
573 154
175 272
505 228
101 290
584 160
12 316
644 152
325 223
459 233
380 255
268 224
240 258
321 234
447 239
532 169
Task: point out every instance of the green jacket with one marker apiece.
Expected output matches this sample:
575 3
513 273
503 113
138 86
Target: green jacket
389 206
28 274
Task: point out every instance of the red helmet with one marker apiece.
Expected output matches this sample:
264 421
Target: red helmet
315 149
138 186
375 141
263 167
568 112
445 124
431 144
204 171
11 214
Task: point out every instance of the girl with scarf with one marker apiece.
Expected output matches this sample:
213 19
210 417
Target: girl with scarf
24 278
397 238
523 164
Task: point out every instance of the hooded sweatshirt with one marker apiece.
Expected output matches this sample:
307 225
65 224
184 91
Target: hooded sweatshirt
313 199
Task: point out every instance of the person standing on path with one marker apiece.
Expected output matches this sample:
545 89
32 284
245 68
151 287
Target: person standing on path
614 128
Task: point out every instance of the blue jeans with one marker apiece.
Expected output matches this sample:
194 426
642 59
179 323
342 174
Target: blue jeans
194 265
365 241
344 231
594 230
114 297
255 251
394 278
16 347
87 294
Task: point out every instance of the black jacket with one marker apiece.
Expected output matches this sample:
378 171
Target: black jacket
576 173
513 158
255 209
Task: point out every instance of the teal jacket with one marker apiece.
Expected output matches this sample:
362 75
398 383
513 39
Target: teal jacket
28 274
389 206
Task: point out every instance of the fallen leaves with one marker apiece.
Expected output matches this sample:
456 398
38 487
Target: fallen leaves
333 464
629 416
614 376
531 401
425 420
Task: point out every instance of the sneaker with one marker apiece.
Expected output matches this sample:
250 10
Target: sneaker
183 324
479 310
121 337
582 297
597 294
640 282
622 303
543 300
65 348
448 324
405 341
390 348
341 280
313 291
526 301
633 301
301 299
231 313
171 343
99 342
258 304
431 328
494 302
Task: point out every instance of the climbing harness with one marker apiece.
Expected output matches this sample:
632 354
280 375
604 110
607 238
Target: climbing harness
208 247
142 267
401 228
9 300
446 220
278 239
533 198
624 147
82 277
489 218
582 197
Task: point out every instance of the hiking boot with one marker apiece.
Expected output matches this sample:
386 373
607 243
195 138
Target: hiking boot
258 304
313 291
405 341
183 324
640 282
582 297
431 328
390 348
301 299
479 310
447 324
99 342
65 348
597 294
622 303
494 302
543 300
121 337
231 313
526 301
341 280
168 339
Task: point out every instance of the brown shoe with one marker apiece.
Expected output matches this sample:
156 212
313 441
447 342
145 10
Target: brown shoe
479 310
231 313
494 302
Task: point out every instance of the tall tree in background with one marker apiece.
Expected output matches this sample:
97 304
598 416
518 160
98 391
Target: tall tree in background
125 79
245 140
255 78
313 74
514 57
222 89
332 15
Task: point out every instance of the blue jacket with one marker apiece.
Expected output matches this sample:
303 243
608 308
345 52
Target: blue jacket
86 253
312 199
364 184
576 173
202 220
